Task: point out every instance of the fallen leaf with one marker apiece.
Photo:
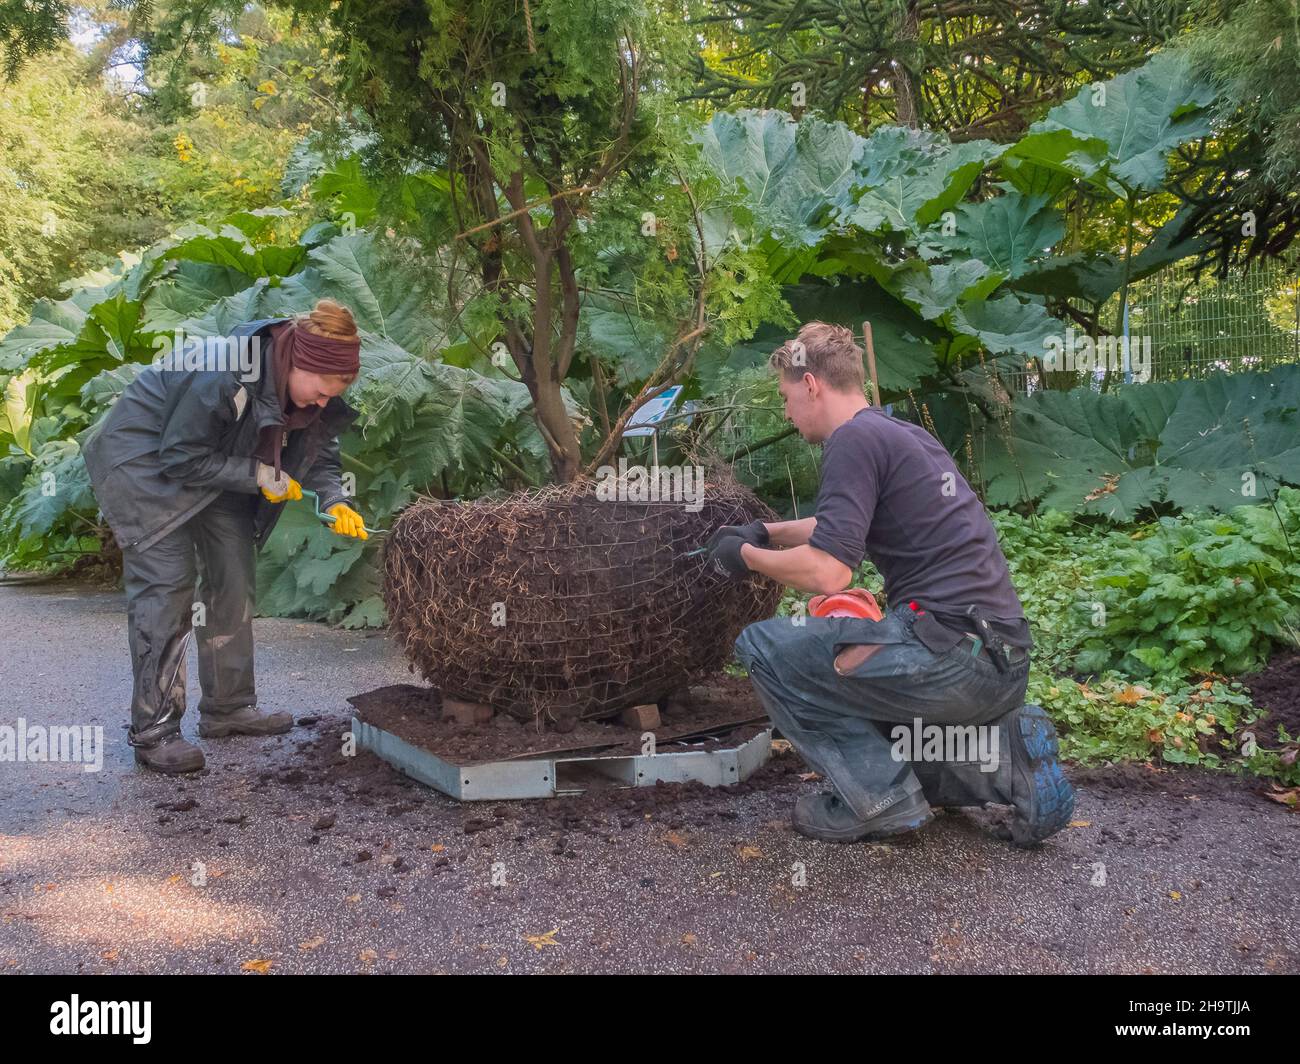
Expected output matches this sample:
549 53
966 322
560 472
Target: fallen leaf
688 939
1080 823
806 776
750 853
673 839
319 940
353 898
1130 696
261 967
368 956
539 941
1110 482
174 879
437 847
1176 895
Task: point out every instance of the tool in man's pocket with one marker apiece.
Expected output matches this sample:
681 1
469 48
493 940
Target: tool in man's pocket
940 631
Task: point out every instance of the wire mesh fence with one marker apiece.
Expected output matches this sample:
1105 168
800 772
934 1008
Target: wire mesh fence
1182 327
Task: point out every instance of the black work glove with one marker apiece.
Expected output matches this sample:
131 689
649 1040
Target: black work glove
755 532
726 558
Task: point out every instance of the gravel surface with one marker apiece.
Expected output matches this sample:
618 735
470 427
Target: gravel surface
285 855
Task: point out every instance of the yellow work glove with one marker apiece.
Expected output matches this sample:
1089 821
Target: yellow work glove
347 522
277 489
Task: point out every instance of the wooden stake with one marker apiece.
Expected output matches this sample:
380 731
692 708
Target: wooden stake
871 363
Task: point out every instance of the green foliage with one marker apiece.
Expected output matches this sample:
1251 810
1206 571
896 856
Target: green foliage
1209 723
86 170
1089 589
1054 560
1251 56
1200 594
29 28
1212 443
61 149
953 265
1123 131
426 426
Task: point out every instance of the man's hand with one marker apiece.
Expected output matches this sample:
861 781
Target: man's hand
727 560
277 489
755 532
347 522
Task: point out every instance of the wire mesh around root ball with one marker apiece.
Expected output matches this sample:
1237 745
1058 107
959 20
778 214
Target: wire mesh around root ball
555 605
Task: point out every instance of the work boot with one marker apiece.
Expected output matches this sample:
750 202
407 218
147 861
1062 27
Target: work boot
827 817
247 720
1031 778
171 756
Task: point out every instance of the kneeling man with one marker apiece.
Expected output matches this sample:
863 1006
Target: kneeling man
951 650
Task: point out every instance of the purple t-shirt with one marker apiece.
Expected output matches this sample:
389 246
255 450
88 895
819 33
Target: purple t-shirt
891 492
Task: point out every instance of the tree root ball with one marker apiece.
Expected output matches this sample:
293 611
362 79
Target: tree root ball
556 604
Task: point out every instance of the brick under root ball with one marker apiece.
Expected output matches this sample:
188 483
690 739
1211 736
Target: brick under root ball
555 605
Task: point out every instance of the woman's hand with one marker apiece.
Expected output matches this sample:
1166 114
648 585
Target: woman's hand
277 489
347 522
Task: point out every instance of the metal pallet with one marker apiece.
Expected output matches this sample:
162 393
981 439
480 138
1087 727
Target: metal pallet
553 776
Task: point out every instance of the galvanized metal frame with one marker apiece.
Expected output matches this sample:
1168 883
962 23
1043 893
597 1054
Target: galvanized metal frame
551 777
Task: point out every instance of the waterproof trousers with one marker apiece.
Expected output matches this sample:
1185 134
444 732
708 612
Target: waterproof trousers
198 579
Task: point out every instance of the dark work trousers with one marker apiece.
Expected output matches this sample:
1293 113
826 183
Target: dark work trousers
209 561
841 724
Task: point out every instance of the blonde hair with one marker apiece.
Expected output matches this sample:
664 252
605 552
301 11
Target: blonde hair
329 318
332 319
829 352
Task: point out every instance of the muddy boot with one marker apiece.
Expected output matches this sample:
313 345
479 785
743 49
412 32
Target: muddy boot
248 720
1031 778
172 756
826 817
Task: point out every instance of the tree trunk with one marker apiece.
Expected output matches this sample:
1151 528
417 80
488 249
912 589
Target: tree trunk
557 429
907 92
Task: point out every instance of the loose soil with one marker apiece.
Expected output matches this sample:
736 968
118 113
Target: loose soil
711 712
1276 688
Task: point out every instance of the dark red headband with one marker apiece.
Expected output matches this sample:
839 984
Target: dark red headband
323 354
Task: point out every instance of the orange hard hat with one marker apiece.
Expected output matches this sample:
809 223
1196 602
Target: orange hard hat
857 602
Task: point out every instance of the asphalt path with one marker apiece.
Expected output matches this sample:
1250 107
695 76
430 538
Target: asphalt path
287 855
